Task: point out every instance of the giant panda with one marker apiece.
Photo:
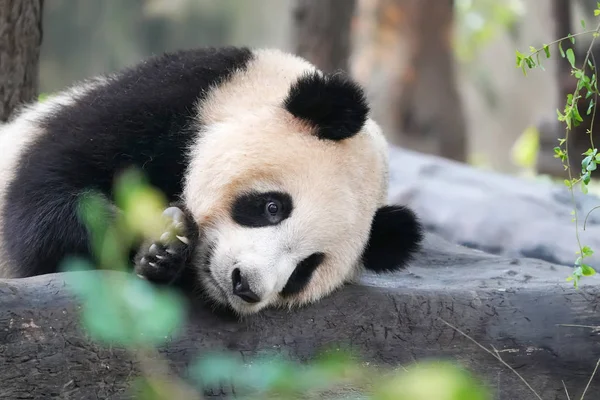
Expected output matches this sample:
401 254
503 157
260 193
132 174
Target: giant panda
276 174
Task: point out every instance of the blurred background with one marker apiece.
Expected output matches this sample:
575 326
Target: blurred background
441 74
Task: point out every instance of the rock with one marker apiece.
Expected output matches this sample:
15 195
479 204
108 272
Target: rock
521 307
492 212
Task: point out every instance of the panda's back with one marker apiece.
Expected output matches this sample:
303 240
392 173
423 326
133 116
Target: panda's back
79 138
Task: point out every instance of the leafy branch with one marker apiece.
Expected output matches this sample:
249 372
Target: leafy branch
571 117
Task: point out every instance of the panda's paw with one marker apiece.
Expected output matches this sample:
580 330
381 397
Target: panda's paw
162 261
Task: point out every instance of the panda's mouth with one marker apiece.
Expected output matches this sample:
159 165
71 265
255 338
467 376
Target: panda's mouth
215 291
217 294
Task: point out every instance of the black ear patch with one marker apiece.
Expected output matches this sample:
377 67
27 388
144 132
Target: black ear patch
396 234
334 104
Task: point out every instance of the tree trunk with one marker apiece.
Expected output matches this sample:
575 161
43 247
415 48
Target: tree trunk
322 32
539 324
550 128
20 41
405 56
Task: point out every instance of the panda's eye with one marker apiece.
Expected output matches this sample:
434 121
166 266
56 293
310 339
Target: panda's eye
256 209
272 208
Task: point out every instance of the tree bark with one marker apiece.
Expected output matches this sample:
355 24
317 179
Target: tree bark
322 32
20 41
538 323
405 57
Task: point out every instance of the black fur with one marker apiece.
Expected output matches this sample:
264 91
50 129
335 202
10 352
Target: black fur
334 104
302 274
396 234
250 209
139 118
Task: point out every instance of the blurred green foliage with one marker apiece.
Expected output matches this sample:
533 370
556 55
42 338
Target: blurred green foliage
479 21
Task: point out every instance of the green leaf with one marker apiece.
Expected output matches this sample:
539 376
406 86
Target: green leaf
141 203
547 50
596 13
214 369
82 284
562 53
518 58
266 373
589 110
158 312
155 388
585 162
586 270
587 251
583 23
432 380
123 308
526 147
577 116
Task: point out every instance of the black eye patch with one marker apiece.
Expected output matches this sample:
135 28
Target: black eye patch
259 209
302 274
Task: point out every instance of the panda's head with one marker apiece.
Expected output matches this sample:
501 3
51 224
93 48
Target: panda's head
288 183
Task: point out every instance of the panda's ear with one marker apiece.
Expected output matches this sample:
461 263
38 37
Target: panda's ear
396 234
333 104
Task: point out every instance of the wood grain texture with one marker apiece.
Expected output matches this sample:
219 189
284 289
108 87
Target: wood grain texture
20 41
515 305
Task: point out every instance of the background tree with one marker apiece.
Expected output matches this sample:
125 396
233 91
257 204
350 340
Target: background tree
321 32
550 128
20 41
405 55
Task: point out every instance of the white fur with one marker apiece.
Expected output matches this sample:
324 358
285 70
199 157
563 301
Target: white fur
251 142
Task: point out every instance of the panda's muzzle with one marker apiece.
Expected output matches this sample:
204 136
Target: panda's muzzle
241 288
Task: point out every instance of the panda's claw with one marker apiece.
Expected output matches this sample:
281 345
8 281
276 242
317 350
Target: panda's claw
164 259
153 250
184 239
174 213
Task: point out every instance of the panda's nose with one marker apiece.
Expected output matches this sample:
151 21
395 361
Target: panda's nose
241 287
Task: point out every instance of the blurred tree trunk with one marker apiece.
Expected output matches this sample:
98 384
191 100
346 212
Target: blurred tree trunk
322 32
20 41
409 51
588 6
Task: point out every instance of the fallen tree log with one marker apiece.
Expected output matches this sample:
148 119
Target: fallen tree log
524 308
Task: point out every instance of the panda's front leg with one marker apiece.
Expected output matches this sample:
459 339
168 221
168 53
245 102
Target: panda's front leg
166 260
